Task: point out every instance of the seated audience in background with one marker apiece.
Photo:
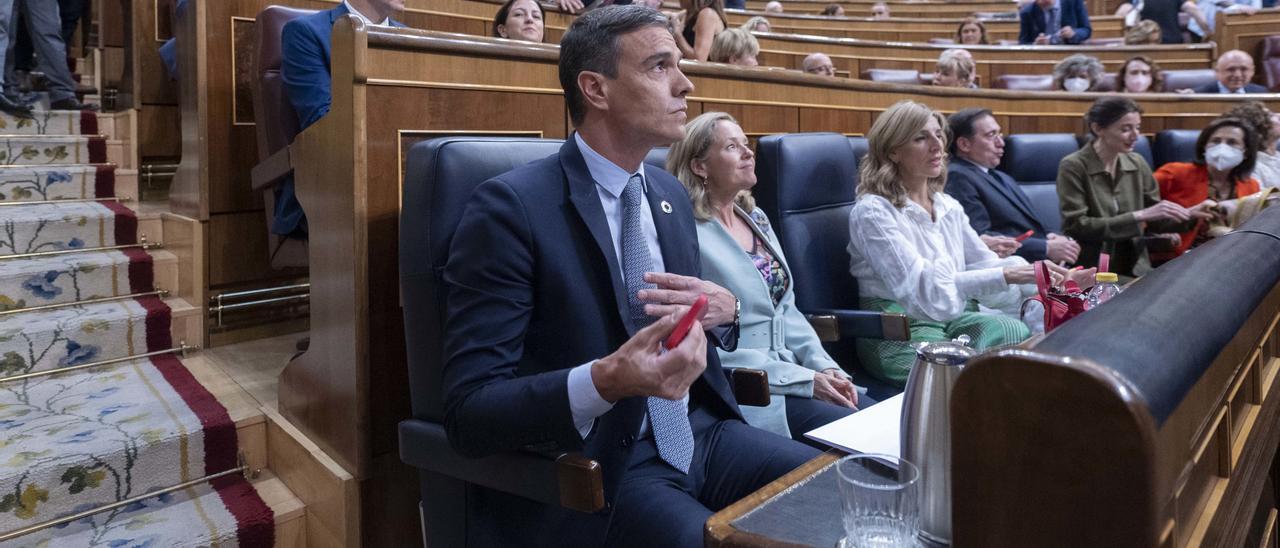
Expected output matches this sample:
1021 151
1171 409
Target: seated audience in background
818 63
736 47
955 69
1266 125
1140 74
1077 73
1045 22
304 68
757 24
774 6
912 249
519 20
1225 155
739 250
1110 202
672 444
880 10
695 35
1146 32
997 208
971 32
1234 70
835 10
1165 14
1211 9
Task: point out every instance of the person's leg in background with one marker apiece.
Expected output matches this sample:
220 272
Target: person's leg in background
6 20
45 25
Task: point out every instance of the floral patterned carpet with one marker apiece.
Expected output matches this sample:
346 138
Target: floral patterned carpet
76 440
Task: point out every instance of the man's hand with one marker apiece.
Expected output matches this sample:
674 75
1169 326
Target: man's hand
676 293
1042 40
1062 249
640 368
571 6
831 387
1003 246
1067 33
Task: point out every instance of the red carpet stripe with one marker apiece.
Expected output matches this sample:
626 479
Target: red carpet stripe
97 150
142 274
126 222
159 318
104 182
88 123
255 522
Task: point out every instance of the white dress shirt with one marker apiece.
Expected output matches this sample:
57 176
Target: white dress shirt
930 267
585 403
1267 169
362 17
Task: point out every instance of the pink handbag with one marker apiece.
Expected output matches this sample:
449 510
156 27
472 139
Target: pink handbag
1060 303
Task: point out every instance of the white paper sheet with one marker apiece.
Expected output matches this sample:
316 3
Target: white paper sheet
876 429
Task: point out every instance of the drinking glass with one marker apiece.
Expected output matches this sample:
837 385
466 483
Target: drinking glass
879 497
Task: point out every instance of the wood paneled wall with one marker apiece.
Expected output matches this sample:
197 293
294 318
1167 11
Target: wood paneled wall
1246 32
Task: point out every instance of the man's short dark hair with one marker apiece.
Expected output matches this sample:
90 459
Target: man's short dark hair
961 124
591 44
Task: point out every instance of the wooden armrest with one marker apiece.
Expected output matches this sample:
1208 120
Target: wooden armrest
581 483
836 325
750 386
268 172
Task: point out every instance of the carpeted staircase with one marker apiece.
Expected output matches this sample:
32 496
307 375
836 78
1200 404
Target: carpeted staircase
82 284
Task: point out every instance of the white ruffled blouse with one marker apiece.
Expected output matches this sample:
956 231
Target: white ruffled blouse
930 267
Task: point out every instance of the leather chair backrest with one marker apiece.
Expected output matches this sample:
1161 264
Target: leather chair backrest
894 76
274 119
1142 147
1025 82
657 157
1269 58
806 184
1175 145
1106 83
1177 79
438 182
1032 160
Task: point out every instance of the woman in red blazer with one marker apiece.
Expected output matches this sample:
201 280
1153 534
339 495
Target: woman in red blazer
1225 154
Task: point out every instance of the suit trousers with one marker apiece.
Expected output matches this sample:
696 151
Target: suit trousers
45 26
656 505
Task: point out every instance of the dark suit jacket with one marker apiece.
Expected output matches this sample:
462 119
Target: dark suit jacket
1073 14
304 48
995 209
1212 87
533 288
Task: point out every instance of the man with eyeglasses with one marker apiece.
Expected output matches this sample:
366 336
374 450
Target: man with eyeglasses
997 209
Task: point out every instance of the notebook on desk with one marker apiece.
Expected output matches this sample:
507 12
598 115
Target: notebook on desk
876 429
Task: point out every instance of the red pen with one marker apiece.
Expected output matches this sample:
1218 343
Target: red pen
1025 235
686 322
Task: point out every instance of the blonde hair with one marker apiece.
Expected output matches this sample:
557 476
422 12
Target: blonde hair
895 127
957 62
750 25
699 135
732 43
1143 33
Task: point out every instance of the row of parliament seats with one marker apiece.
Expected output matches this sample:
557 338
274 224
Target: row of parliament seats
1174 80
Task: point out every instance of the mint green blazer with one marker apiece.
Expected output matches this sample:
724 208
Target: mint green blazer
778 340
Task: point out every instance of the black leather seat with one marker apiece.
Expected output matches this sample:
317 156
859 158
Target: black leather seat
1176 79
806 184
657 157
1032 160
1175 145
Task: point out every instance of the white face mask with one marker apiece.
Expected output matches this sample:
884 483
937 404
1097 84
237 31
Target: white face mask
1137 83
1076 85
1223 157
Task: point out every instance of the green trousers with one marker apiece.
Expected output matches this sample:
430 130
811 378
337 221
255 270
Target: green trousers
891 361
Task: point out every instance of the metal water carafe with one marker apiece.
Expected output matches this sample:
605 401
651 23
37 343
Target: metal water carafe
926 429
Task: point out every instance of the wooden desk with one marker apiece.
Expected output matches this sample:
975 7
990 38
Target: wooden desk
901 29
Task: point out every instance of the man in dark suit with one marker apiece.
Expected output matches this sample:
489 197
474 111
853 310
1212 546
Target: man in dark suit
554 319
1234 70
1046 22
304 50
991 199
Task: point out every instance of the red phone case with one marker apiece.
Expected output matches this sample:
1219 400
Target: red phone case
677 335
1025 235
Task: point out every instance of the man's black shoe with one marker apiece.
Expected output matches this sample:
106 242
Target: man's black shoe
70 103
16 109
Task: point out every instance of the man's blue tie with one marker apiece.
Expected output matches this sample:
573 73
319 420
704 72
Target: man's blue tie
669 419
1053 25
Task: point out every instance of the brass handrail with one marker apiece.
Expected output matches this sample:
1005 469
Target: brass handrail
158 292
118 504
64 201
142 243
182 348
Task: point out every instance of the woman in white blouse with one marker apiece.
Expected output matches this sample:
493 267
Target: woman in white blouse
914 252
